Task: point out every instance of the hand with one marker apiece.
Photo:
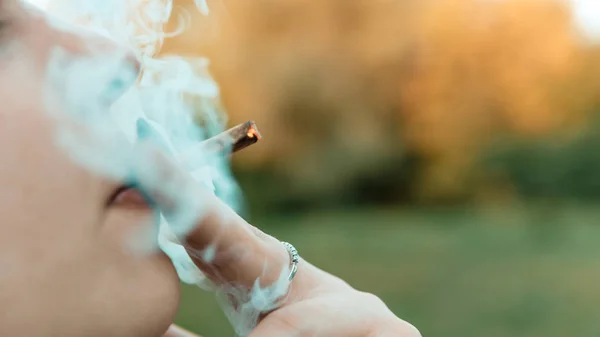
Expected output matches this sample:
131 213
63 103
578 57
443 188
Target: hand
317 304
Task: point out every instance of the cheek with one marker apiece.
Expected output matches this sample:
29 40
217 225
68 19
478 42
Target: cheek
142 293
153 294
132 298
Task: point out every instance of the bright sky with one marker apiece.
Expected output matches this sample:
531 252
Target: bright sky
587 13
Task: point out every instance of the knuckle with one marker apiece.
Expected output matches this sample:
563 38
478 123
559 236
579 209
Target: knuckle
372 299
405 329
387 324
396 328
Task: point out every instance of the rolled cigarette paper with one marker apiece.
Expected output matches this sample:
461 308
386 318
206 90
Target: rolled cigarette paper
226 143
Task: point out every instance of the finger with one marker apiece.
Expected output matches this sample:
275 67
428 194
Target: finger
224 246
229 250
175 331
308 321
279 329
400 328
291 328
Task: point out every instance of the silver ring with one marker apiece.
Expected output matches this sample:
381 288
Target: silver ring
294 259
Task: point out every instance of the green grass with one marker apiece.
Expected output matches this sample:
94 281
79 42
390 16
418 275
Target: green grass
522 273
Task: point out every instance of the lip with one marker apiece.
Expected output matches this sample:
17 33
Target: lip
127 196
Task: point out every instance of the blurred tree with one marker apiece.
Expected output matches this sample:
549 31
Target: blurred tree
403 95
561 167
318 78
485 67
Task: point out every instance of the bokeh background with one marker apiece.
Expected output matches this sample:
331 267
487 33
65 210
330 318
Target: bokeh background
442 154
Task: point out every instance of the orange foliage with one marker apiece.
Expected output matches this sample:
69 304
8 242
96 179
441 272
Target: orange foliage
485 66
335 60
450 74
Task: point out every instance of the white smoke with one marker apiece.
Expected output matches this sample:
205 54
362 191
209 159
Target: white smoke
81 89
161 110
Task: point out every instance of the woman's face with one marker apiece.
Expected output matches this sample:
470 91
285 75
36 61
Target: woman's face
64 270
